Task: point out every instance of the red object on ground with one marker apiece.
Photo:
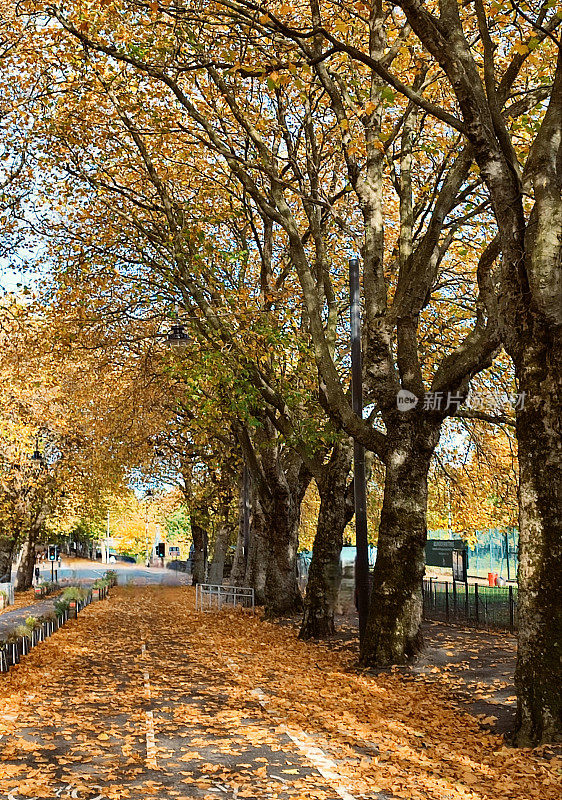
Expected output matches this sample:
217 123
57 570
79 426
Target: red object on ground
490 579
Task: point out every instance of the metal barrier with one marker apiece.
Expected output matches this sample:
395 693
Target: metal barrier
470 603
12 651
211 597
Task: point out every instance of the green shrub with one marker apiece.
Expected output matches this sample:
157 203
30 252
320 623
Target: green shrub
74 593
61 606
19 632
48 586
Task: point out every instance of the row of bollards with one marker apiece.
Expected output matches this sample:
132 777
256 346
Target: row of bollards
12 652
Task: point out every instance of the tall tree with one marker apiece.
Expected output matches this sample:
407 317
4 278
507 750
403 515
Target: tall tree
502 61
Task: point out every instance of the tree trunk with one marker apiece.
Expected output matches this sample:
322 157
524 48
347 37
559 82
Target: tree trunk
281 513
324 575
258 554
237 574
282 593
216 569
24 577
538 674
199 565
393 631
7 545
278 481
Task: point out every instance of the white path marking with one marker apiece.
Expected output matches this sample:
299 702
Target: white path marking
151 762
317 757
150 742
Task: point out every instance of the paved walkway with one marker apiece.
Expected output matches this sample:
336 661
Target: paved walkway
141 697
132 717
10 619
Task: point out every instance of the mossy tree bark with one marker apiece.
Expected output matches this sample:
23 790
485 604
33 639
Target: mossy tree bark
199 565
7 545
538 674
393 631
282 516
324 575
279 480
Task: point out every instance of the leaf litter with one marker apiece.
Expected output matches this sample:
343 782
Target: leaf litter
73 713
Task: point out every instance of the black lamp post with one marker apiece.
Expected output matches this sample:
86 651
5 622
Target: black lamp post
359 481
148 495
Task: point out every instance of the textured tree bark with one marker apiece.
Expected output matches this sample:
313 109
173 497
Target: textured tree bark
282 593
238 571
237 574
7 544
216 570
324 575
258 554
538 674
535 343
199 566
279 481
24 576
393 631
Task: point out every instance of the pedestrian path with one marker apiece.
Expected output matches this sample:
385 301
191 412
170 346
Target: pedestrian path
10 619
134 718
141 698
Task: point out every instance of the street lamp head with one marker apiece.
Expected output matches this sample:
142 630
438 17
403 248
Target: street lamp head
177 337
37 457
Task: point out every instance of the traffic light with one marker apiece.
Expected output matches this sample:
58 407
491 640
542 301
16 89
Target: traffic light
160 550
53 553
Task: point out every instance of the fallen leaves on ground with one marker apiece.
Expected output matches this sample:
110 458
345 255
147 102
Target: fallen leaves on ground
21 600
79 700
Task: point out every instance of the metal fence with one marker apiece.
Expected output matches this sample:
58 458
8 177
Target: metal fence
469 603
211 597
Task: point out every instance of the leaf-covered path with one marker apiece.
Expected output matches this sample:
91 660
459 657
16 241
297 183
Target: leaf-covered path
141 697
